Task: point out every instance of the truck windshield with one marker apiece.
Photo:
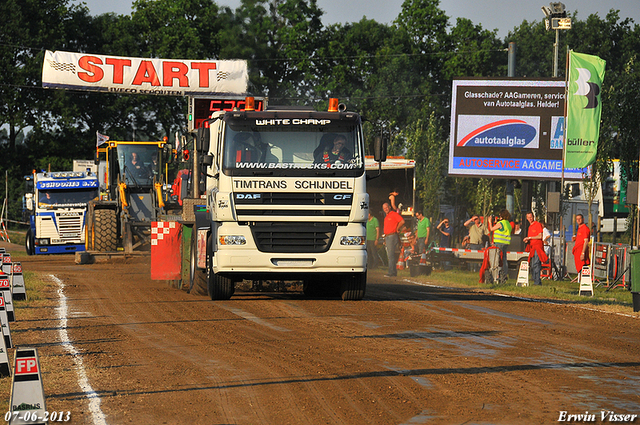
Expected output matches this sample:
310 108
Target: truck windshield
252 148
66 198
139 163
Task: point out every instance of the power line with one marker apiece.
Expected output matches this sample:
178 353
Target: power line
317 59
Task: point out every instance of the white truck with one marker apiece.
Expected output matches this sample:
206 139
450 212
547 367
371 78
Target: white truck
57 211
278 205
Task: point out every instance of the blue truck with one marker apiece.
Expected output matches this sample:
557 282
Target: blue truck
57 208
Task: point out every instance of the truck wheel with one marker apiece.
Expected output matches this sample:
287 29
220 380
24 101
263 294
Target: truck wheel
220 287
29 245
352 287
321 287
105 230
197 277
310 288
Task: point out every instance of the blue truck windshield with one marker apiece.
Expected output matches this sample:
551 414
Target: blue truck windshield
66 198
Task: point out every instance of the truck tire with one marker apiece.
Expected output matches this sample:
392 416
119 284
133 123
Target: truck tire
197 277
352 287
220 287
311 288
105 230
322 287
29 244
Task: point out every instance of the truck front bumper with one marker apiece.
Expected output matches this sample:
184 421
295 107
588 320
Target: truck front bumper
250 261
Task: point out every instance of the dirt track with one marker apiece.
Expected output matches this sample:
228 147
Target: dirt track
407 354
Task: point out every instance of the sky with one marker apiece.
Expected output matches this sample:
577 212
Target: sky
502 15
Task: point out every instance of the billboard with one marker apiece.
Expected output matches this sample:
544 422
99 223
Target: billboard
508 129
118 74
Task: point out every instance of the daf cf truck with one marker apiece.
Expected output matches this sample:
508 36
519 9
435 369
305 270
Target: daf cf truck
285 199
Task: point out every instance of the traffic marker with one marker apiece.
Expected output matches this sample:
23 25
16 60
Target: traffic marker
4 320
6 263
586 283
423 259
5 368
27 393
18 289
523 274
400 263
5 289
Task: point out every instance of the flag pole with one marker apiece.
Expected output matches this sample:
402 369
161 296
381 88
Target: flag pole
563 233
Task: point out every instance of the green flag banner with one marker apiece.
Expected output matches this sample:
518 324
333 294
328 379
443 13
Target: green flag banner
586 73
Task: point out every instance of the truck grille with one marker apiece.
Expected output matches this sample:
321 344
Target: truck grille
302 204
293 237
69 226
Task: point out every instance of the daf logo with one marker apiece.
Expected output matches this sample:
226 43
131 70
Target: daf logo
340 197
248 195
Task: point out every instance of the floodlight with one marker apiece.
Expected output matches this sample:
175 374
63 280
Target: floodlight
557 8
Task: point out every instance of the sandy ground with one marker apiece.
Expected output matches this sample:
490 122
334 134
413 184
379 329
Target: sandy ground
407 354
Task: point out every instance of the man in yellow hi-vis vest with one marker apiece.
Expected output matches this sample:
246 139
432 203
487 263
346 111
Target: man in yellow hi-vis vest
501 239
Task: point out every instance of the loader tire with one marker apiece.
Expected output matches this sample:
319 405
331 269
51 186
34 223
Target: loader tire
105 230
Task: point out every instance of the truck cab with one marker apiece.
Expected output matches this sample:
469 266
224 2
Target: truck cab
285 200
57 211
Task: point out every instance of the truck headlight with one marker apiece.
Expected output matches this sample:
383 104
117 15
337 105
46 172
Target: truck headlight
42 241
352 240
233 240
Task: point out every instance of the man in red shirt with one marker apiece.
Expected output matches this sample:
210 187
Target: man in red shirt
393 222
535 247
580 249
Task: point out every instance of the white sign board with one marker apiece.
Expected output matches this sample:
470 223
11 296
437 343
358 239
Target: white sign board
523 274
586 283
118 74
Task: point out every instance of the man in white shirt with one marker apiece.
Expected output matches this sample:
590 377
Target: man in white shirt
546 238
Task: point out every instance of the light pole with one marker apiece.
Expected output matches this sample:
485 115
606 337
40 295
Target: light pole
556 19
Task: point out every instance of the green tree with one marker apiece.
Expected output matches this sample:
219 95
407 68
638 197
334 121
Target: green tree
474 52
427 147
279 38
27 27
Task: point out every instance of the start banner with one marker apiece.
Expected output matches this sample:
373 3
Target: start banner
117 74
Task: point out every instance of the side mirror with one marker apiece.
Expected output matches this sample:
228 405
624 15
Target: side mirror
379 149
167 153
207 160
29 201
203 138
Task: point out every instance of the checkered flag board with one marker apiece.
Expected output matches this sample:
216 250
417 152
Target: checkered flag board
166 252
161 230
64 67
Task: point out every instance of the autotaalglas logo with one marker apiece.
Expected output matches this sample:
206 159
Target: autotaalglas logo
498 131
502 133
